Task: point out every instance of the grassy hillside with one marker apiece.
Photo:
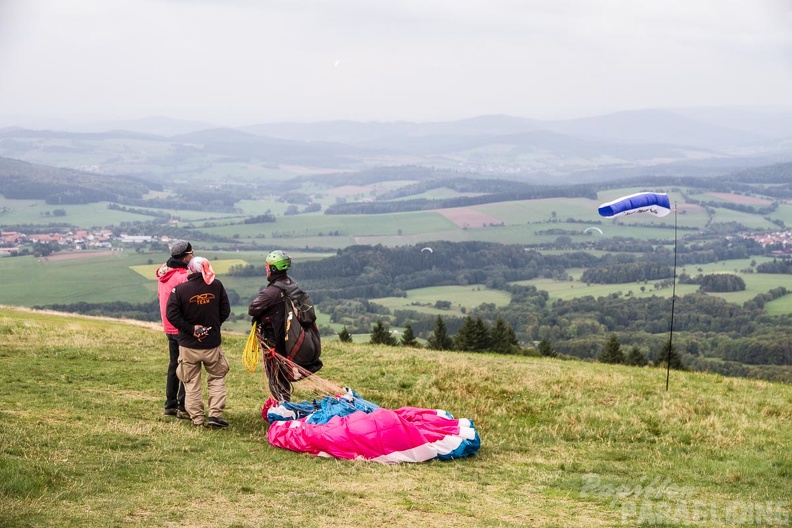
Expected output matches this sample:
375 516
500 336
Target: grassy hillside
563 443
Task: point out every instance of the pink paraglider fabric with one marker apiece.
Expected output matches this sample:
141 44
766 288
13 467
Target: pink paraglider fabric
388 436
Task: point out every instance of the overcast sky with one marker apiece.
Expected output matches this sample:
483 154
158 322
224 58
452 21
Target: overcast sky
237 62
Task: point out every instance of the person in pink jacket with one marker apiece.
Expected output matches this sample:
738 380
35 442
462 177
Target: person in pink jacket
169 275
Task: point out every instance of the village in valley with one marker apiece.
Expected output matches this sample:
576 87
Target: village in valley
779 242
14 243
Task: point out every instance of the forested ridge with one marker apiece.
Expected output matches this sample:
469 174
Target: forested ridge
22 180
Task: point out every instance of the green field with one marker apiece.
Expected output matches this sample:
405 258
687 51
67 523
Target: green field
310 225
566 290
755 284
784 213
90 215
564 443
466 297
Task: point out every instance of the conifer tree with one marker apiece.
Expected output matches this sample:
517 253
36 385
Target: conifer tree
344 336
482 339
612 352
636 358
474 335
408 337
439 338
546 349
670 356
466 338
502 338
380 335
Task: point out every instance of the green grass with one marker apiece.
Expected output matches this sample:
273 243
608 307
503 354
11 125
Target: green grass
90 215
564 443
460 297
441 193
780 306
308 225
96 214
566 290
784 213
29 281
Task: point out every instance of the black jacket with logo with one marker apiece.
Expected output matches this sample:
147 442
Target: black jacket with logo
196 303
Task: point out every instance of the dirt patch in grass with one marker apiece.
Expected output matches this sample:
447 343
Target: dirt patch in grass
76 255
466 217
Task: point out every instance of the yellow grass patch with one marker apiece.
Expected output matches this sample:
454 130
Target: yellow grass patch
220 267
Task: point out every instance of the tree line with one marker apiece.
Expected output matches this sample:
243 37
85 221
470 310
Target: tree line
476 336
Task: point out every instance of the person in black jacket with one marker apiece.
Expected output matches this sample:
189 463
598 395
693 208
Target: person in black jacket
268 310
268 313
198 308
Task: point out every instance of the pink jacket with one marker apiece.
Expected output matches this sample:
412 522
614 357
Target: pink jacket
168 278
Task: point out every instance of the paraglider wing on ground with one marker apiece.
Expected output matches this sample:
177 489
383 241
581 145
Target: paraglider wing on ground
352 428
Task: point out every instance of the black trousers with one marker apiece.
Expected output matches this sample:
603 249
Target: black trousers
174 389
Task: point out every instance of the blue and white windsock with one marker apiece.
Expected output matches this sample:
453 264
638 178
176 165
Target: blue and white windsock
657 204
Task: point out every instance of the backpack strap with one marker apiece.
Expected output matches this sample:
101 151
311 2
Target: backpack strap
298 345
290 308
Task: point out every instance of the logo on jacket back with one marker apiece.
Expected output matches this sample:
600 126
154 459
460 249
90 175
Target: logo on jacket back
202 298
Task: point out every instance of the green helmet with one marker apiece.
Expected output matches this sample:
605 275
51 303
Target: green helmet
278 260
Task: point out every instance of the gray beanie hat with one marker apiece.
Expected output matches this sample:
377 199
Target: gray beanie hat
180 248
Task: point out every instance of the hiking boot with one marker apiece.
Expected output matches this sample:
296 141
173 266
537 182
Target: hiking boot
198 424
171 412
217 422
183 415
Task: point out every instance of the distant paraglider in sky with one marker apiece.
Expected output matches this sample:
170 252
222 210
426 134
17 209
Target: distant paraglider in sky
656 204
427 249
597 229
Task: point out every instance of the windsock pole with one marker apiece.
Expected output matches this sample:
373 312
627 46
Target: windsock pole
673 298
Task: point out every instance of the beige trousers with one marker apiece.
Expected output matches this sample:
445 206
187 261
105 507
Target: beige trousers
189 372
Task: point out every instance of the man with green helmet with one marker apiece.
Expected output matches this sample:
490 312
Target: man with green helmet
269 311
278 260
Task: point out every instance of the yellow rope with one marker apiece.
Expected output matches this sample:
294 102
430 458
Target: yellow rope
250 355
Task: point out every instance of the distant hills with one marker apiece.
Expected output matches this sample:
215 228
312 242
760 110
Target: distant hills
697 141
695 129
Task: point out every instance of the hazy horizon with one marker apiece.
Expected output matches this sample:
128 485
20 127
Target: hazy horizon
241 62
